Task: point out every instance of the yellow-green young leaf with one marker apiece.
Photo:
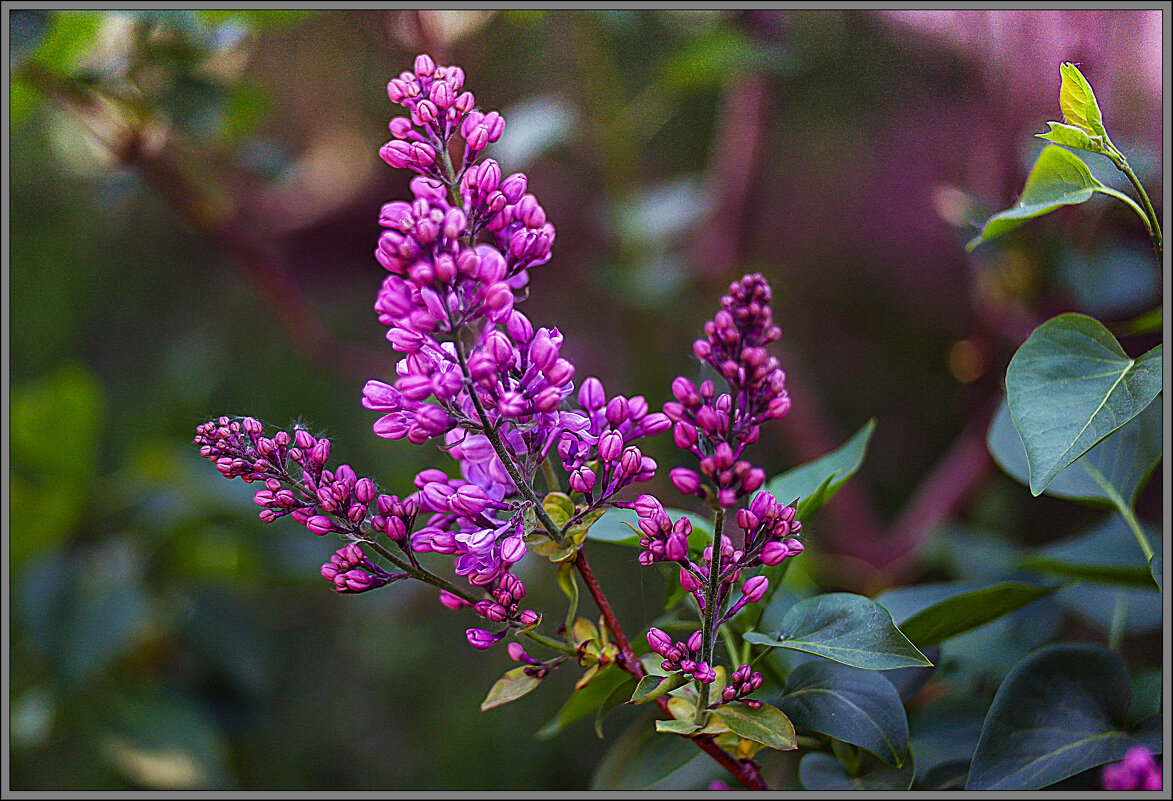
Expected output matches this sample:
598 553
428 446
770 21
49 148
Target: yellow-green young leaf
676 726
1071 136
513 685
652 687
569 586
578 532
559 507
1078 102
766 725
583 630
1058 178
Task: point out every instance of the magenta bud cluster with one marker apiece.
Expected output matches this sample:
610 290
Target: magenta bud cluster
683 657
742 682
717 426
600 453
351 571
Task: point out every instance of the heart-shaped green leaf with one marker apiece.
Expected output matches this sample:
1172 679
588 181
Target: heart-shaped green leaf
845 628
766 724
1060 711
1077 101
582 702
1106 553
1069 386
1109 475
856 706
1058 178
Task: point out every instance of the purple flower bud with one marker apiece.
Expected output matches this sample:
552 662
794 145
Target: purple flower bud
514 187
704 674
684 480
512 549
755 589
491 610
520 329
631 462
676 547
452 601
559 373
481 639
658 641
611 446
529 617
590 394
655 423
319 524
424 65
304 439
617 411
688 581
695 641
582 480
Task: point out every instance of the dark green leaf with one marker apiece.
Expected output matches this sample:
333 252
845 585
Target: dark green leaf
819 771
617 698
652 687
856 706
846 628
946 776
513 685
1148 323
1107 553
582 702
815 483
1069 386
1058 713
947 729
766 724
1111 473
1059 178
1096 603
969 608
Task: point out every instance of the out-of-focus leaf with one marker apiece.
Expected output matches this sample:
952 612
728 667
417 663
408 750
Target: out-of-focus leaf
26 29
846 628
856 706
1155 568
957 608
68 40
815 483
1112 281
617 698
1069 386
947 730
707 60
1096 603
1148 323
582 702
260 18
641 758
162 741
1058 713
513 685
663 213
1107 553
1059 178
536 126
820 771
1110 474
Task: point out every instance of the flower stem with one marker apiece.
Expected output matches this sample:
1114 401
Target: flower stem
709 621
1153 223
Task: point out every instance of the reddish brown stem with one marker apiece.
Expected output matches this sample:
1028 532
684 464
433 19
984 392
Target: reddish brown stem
744 770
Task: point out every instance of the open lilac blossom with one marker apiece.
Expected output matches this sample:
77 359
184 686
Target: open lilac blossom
1137 771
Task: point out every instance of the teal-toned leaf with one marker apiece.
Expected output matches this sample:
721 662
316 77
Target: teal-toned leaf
1146 695
162 741
1109 475
1069 386
620 527
513 685
1155 568
617 698
946 776
820 771
1107 553
962 607
582 702
946 730
1096 603
26 29
845 628
1077 101
815 483
1071 136
1059 178
766 725
856 706
1058 713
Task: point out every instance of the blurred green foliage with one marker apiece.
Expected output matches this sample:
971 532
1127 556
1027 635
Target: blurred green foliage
164 639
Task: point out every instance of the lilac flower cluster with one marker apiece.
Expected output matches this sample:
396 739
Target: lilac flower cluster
686 658
716 428
1137 771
